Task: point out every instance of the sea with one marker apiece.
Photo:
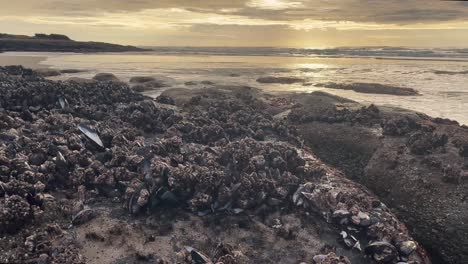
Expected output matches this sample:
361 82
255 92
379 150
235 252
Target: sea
440 75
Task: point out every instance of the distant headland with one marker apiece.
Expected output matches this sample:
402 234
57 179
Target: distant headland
57 43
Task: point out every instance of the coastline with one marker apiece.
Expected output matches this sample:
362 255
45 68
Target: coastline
437 98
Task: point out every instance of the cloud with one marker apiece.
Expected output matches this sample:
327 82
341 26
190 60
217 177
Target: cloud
169 21
388 11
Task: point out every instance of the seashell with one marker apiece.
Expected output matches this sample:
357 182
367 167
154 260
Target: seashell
407 247
39 186
237 210
162 196
91 134
197 257
63 102
143 198
83 216
382 252
299 194
318 259
340 214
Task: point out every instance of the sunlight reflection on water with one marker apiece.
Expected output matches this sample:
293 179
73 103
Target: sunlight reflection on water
443 95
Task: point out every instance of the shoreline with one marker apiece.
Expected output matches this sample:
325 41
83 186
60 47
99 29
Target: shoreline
26 61
437 98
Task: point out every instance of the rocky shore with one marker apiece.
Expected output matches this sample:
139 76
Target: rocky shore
93 172
416 164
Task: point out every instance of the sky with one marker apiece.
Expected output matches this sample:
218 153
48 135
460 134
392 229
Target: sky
258 23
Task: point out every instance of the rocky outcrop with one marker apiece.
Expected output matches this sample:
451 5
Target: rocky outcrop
416 164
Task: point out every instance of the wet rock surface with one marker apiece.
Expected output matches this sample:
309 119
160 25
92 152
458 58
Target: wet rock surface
48 72
105 77
280 80
147 83
414 163
373 88
95 173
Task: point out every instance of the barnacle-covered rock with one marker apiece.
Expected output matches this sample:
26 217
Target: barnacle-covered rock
221 157
15 212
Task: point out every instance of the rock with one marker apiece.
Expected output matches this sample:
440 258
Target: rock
260 135
373 88
48 72
280 80
140 88
15 212
142 79
191 83
37 158
207 82
402 172
105 77
426 142
450 72
81 80
71 71
165 100
148 86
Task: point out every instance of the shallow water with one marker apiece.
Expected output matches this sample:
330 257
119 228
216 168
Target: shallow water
442 95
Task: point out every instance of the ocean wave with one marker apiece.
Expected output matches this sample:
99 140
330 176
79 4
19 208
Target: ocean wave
373 52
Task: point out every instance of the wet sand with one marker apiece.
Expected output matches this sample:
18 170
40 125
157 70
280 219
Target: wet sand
13 58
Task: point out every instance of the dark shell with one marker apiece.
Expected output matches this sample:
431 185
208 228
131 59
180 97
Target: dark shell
197 257
381 252
83 216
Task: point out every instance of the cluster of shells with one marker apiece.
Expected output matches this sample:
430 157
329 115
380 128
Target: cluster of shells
207 156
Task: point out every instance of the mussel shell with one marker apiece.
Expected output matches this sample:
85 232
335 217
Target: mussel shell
381 251
197 257
162 197
83 216
63 102
91 134
133 207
